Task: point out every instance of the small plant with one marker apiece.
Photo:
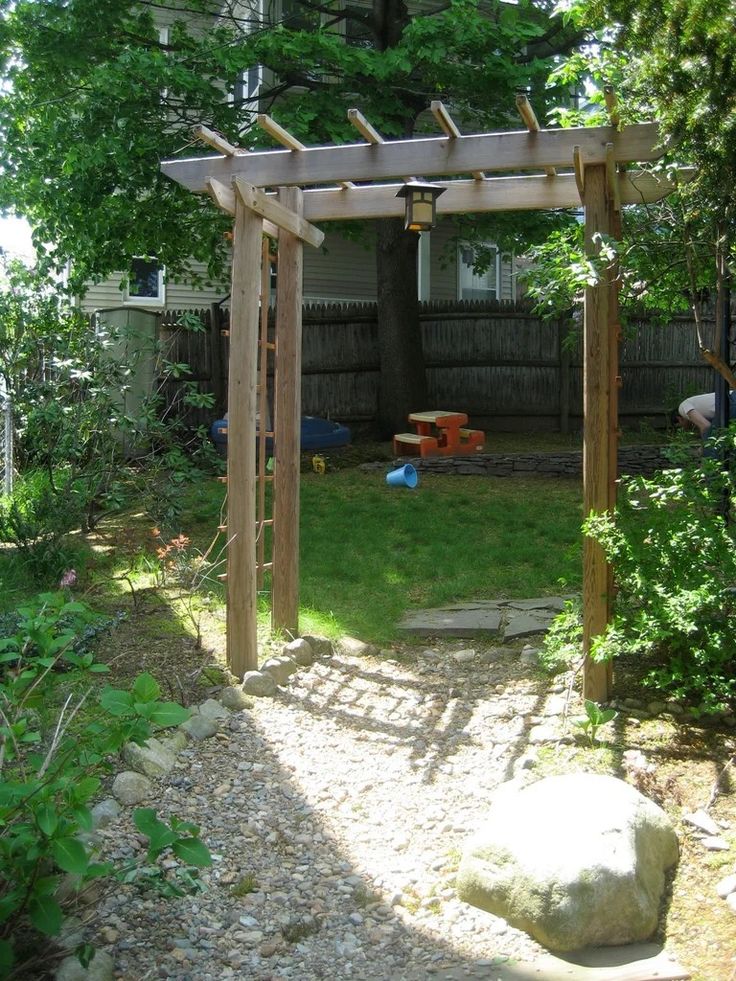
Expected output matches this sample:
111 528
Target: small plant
563 643
594 718
245 885
54 742
184 567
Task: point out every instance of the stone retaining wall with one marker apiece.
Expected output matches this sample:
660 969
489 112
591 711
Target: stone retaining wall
632 460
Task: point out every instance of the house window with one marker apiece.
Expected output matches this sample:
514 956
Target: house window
474 285
145 283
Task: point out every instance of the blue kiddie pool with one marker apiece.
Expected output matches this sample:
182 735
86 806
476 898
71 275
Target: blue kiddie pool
316 434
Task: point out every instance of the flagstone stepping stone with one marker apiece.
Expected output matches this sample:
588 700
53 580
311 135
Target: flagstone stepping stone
452 622
527 624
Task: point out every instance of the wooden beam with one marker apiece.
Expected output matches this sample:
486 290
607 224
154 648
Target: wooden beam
242 652
268 207
369 133
431 156
612 105
494 194
224 198
529 118
216 141
596 431
287 413
443 117
281 135
447 124
612 185
285 138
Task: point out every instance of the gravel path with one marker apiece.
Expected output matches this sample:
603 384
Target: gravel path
336 812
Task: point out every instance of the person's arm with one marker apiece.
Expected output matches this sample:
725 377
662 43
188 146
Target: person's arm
699 410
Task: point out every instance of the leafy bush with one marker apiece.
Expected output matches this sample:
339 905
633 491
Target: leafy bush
562 645
674 558
53 746
35 518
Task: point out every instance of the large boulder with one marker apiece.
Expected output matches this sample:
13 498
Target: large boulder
575 861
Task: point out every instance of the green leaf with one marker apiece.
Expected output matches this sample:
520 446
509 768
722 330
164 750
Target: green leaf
70 855
85 954
145 819
45 915
192 851
83 817
145 688
169 714
115 701
47 819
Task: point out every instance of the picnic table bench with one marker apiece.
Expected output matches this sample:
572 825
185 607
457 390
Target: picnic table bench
439 433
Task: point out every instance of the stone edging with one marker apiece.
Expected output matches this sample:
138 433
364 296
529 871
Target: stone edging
633 460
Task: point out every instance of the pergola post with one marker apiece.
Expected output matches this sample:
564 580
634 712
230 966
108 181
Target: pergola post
242 650
287 415
597 432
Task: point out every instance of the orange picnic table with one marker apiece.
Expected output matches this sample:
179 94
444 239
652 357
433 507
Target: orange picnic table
439 433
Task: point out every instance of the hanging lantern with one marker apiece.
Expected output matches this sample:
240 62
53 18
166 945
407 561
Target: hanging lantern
421 204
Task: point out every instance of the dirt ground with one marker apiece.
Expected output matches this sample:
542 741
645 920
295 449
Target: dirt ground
695 764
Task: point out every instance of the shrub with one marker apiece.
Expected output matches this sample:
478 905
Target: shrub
53 747
672 547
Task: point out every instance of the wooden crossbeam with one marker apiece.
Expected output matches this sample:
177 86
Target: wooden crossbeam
224 198
447 124
530 193
269 208
285 138
529 118
432 156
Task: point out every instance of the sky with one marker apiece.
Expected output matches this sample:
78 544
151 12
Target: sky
15 238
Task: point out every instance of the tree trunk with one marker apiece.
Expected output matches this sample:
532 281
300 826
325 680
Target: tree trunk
402 386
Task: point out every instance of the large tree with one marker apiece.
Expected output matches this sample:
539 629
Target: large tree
675 60
96 96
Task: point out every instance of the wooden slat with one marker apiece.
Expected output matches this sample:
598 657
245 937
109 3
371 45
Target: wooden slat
447 124
430 156
216 141
288 388
529 118
611 105
271 209
285 138
366 129
262 405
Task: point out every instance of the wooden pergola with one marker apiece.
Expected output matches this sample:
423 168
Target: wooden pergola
543 169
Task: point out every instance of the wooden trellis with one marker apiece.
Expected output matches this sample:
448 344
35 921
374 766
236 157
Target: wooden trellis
550 169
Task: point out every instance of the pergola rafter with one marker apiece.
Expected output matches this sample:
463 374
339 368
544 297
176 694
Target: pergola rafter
593 160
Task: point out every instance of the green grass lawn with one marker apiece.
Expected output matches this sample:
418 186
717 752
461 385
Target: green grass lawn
369 551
